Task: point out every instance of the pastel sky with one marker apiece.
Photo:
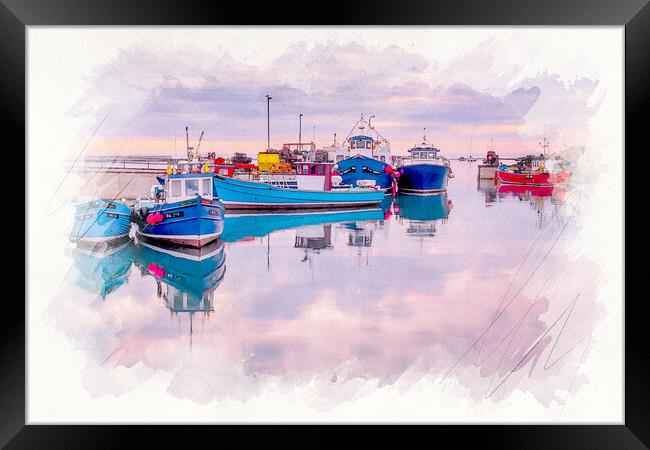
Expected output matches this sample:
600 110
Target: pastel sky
466 86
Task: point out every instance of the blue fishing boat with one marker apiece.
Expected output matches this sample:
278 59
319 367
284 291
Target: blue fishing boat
100 220
240 194
188 276
242 226
102 267
361 168
368 159
424 171
185 211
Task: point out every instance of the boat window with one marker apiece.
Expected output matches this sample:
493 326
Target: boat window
191 187
299 168
353 144
312 170
339 158
416 155
382 158
206 187
321 169
367 144
176 188
432 155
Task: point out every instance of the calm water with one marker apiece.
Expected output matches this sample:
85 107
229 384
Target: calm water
466 286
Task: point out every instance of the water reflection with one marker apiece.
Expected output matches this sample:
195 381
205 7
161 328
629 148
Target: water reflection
186 277
245 226
422 212
299 306
101 268
489 188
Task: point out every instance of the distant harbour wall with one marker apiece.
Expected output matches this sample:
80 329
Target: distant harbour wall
117 185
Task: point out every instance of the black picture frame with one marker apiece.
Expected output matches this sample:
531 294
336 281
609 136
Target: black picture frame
16 15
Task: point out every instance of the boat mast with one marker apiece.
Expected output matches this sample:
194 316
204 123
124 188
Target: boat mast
544 144
198 145
187 144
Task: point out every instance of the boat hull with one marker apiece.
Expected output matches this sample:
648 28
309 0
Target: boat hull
359 168
194 222
247 195
100 221
422 179
534 179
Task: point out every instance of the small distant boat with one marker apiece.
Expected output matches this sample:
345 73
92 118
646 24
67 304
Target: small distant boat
240 194
100 220
187 212
424 172
462 158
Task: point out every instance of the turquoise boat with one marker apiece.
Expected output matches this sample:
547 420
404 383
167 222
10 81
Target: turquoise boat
250 195
100 220
241 226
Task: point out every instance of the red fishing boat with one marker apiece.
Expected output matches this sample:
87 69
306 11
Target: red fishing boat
515 176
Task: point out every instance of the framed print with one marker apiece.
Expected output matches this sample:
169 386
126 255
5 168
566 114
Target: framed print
413 216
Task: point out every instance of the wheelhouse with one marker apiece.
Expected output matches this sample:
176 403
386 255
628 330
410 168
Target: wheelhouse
424 153
185 186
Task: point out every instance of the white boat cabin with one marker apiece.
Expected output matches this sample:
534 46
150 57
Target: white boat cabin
424 154
187 186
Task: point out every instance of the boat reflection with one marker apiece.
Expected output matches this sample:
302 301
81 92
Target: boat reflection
186 277
489 188
242 226
101 268
538 197
422 212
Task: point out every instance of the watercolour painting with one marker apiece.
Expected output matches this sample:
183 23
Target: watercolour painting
472 271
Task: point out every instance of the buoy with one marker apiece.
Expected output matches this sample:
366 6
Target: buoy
156 270
155 218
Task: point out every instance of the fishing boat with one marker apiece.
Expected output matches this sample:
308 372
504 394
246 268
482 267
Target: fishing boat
243 194
368 160
250 225
527 170
100 220
186 211
424 171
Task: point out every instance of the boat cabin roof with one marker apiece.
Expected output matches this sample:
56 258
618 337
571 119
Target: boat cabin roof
191 175
360 138
423 149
